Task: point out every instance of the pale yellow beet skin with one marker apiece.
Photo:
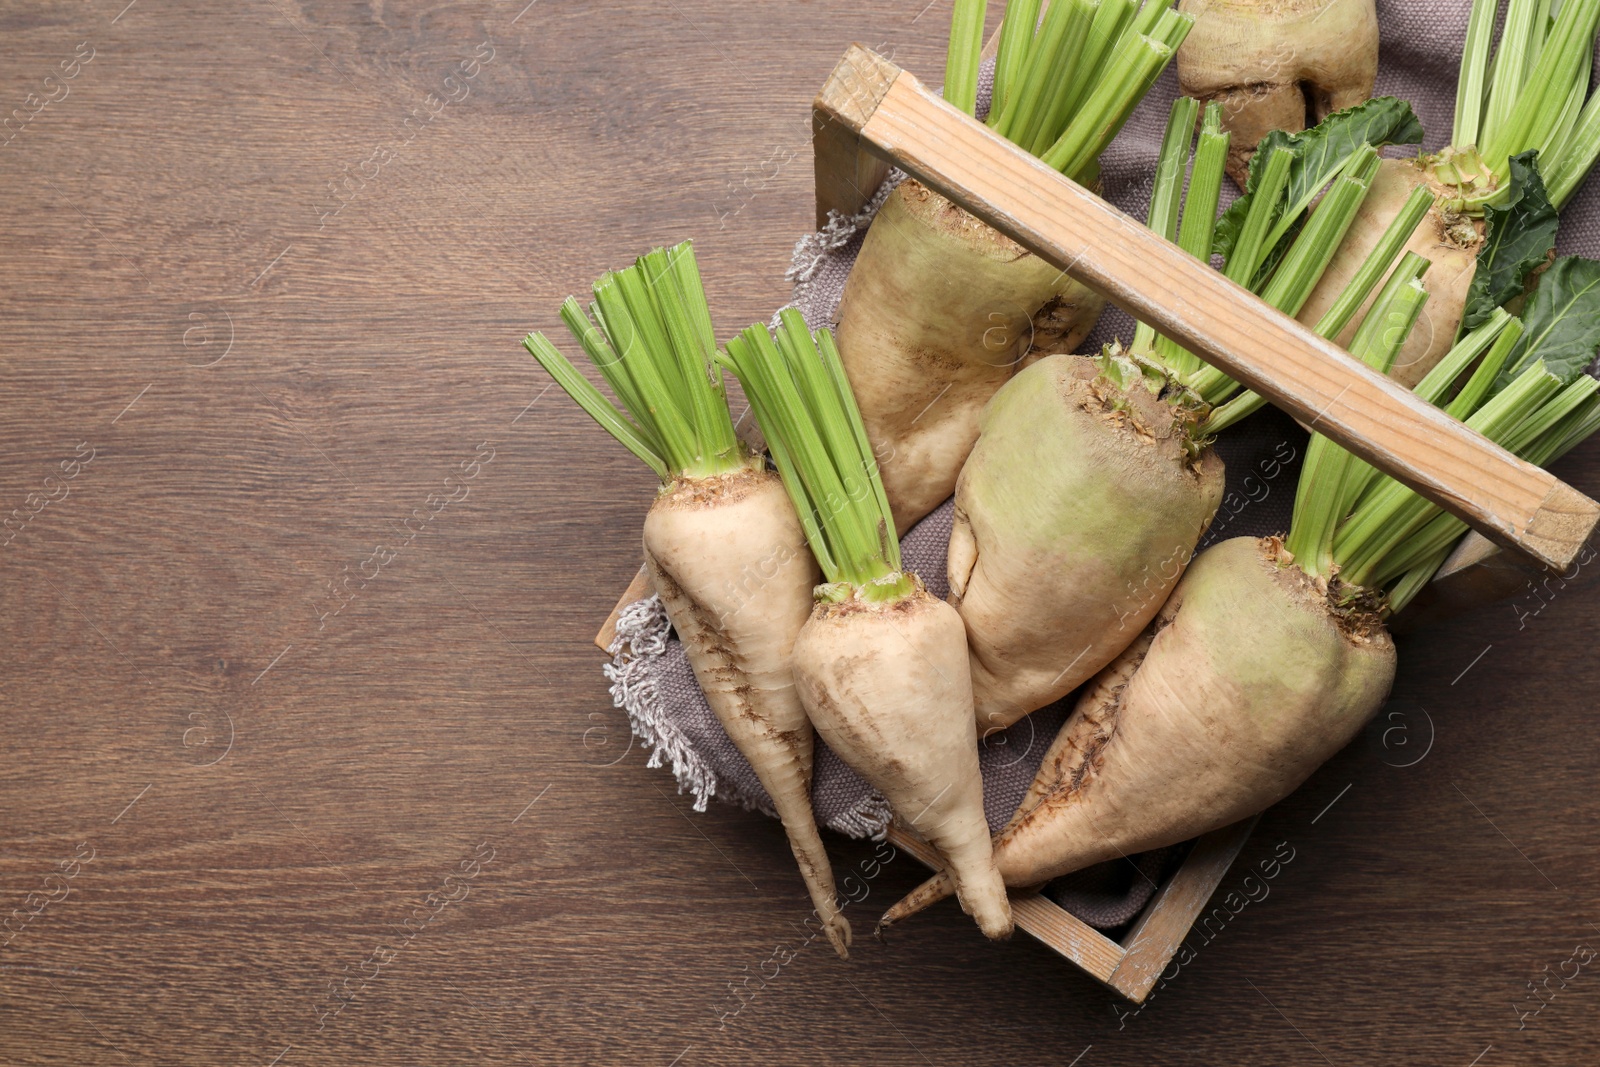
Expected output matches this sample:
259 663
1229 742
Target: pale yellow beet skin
730 562
1073 523
887 687
1243 687
1064 759
1270 62
1086 730
938 311
1248 686
1451 247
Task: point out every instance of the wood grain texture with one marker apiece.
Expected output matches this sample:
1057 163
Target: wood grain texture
638 589
173 600
1313 379
846 173
1169 919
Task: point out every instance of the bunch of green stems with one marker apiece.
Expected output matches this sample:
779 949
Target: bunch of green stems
1529 93
1280 254
1064 85
1374 533
652 340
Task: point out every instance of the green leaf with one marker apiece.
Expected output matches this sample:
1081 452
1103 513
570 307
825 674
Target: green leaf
1563 321
1319 154
1521 232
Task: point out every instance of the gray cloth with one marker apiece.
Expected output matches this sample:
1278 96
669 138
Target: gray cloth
1421 49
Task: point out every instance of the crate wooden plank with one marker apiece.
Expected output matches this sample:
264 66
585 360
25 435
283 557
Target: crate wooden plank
898 120
1154 939
1069 935
1039 916
637 589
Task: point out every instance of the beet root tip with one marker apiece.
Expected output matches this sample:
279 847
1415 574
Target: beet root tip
925 895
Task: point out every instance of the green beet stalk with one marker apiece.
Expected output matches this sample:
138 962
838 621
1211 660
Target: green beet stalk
1105 27
1368 546
1331 477
1060 54
651 340
802 400
1168 191
1016 34
1284 279
1338 316
961 62
1542 92
1566 421
1046 52
1530 92
1133 70
1064 90
1199 220
1497 337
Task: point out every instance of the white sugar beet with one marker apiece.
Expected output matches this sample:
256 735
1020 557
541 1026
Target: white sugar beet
887 687
1076 513
1248 682
937 313
729 560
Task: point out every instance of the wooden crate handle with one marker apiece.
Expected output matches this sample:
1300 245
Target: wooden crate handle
871 114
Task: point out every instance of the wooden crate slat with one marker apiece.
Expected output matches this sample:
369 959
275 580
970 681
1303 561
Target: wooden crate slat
897 119
1154 939
847 174
1069 935
1039 916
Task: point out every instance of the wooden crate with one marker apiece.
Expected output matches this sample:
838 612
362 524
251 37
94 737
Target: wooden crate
871 115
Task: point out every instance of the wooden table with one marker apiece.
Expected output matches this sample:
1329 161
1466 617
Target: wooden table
302 711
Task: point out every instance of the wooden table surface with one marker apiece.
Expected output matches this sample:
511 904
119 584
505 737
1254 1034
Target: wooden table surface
301 706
